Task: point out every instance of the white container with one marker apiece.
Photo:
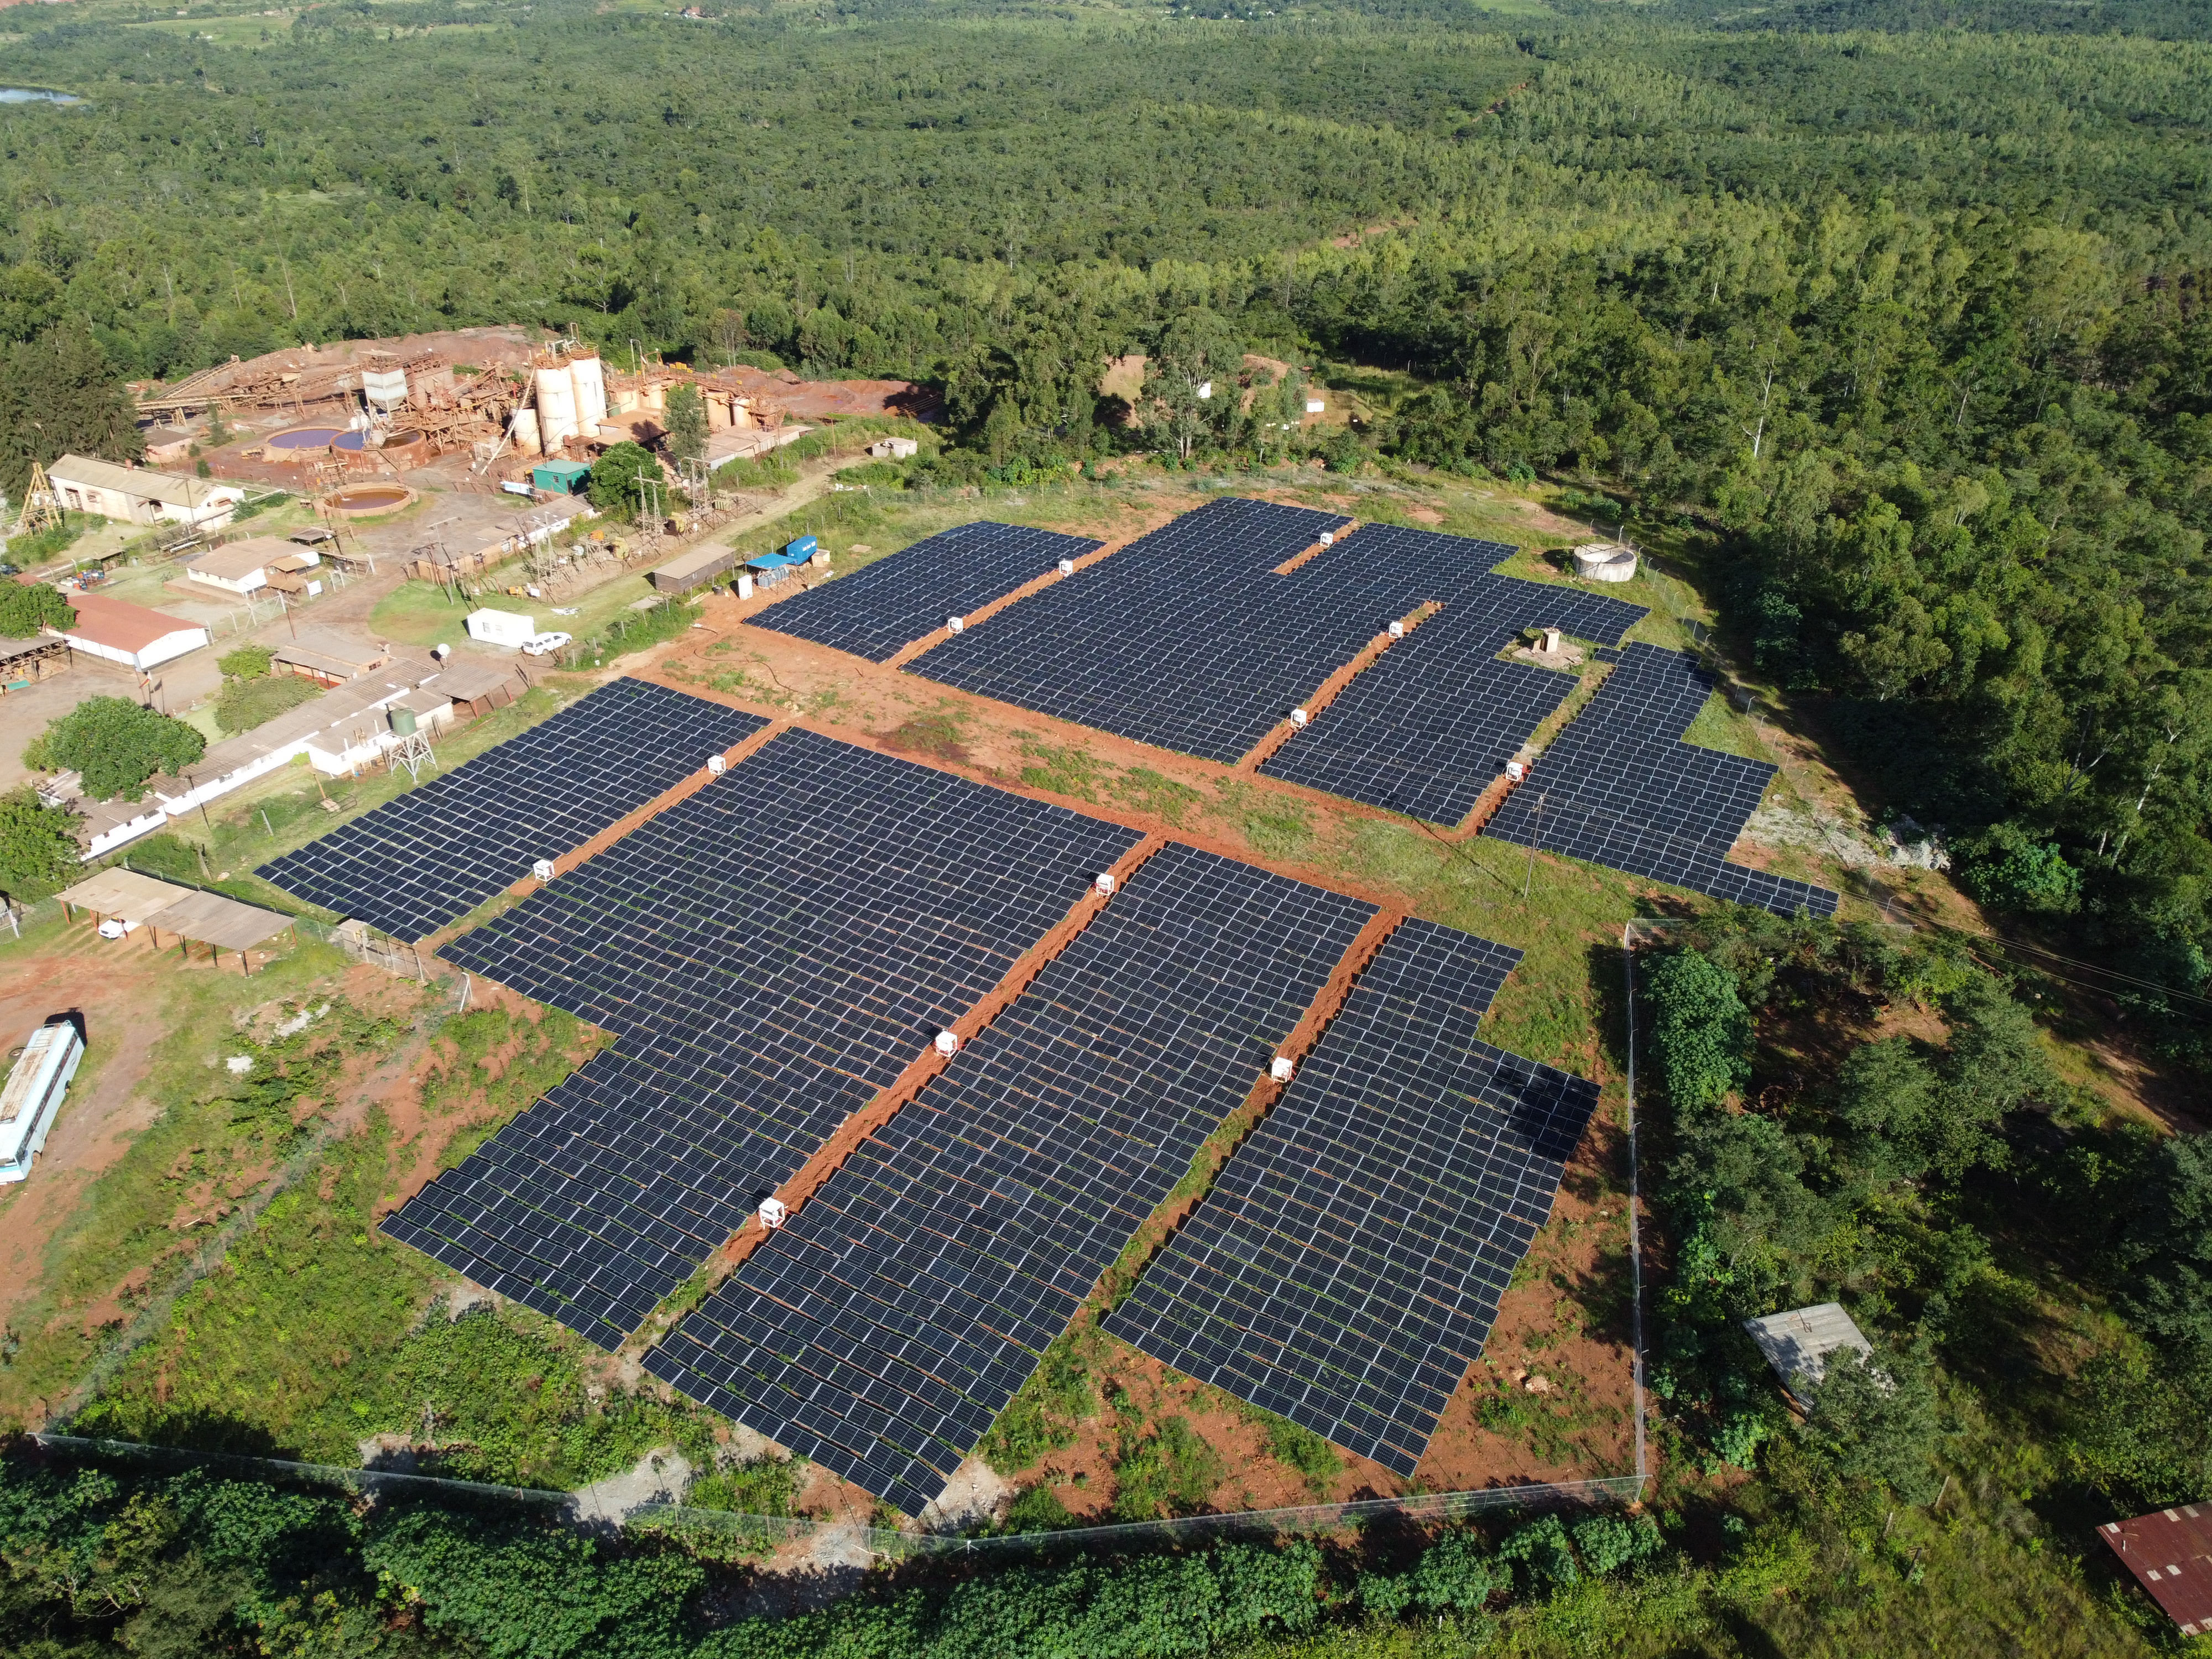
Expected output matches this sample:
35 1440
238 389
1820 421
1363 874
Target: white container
556 407
502 628
773 1213
589 381
543 869
947 1043
524 431
32 1095
1281 1070
1105 882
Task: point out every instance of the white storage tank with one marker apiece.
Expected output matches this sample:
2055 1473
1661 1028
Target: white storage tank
32 1095
524 431
590 382
1604 562
556 408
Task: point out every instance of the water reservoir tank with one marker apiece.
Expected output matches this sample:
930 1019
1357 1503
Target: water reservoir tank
524 429
556 408
402 722
590 381
1604 562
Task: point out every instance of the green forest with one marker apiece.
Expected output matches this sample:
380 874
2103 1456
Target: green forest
1899 310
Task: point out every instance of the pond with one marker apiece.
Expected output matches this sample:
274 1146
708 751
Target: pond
35 95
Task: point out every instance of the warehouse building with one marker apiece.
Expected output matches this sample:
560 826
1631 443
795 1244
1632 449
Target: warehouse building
138 495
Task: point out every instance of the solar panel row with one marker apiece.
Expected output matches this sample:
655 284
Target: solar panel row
877 611
1346 1267
884 1328
770 953
1229 647
1430 724
443 848
1620 788
1183 639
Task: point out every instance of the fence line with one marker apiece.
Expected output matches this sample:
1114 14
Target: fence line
1635 1234
774 1530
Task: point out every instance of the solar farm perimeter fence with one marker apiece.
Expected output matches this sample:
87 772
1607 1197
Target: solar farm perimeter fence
770 1532
773 1531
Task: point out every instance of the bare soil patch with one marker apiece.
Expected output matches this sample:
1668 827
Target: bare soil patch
113 985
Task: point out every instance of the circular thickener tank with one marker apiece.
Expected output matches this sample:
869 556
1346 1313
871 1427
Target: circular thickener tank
303 438
556 407
361 499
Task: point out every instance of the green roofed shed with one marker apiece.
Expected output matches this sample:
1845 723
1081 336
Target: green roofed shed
566 477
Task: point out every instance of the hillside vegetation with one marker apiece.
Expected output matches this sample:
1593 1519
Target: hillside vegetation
1885 322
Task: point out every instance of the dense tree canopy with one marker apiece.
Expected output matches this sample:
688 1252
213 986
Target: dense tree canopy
115 745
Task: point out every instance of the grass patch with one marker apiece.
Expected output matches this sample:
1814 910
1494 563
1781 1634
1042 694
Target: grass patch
1729 730
1041 1417
244 704
1147 791
1065 769
1170 1471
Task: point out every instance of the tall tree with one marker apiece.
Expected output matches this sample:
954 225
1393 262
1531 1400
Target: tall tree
60 395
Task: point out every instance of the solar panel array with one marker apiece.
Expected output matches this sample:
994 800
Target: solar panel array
886 1326
1183 639
877 611
770 953
1620 788
1431 724
1346 1267
440 850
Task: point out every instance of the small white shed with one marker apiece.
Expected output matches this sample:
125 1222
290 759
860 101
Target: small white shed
501 628
893 449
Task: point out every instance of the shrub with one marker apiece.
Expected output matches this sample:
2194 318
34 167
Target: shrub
27 607
1171 1471
248 662
1876 1420
1701 1031
115 745
2009 871
1607 1543
38 845
613 487
1541 1555
1457 1574
243 704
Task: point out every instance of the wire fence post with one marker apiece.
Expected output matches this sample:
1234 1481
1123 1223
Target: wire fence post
1528 874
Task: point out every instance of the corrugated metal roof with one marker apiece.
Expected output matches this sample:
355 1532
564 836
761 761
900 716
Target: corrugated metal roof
1797 1343
2170 1553
124 893
90 473
121 626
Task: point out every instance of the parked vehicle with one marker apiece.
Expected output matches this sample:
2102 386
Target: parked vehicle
541 644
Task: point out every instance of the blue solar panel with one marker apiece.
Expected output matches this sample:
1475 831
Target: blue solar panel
887 1325
1183 639
769 954
1346 1267
444 847
877 611
1620 788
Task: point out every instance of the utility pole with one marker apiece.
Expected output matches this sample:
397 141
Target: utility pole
1529 875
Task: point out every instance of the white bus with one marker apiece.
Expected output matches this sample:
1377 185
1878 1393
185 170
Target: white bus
43 1068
